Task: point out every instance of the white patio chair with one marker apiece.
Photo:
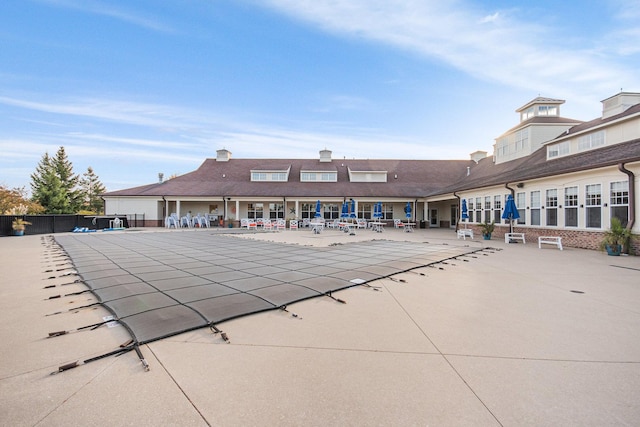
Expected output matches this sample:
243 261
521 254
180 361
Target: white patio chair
171 221
293 224
203 221
281 224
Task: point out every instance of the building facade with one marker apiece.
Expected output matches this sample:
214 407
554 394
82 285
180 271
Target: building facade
568 178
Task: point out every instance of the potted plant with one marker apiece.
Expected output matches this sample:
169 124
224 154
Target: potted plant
487 228
18 226
616 238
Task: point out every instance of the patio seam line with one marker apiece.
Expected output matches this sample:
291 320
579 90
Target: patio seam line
184 393
444 356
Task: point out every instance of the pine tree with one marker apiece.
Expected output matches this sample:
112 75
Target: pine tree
53 184
69 180
91 188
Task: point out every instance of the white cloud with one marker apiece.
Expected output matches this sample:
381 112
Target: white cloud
489 45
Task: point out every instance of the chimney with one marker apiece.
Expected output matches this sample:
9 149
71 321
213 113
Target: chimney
476 156
223 155
160 177
325 156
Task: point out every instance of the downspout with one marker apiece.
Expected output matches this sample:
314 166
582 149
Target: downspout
224 209
632 195
459 210
164 209
415 211
513 192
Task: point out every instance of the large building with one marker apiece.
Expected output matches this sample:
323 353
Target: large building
568 178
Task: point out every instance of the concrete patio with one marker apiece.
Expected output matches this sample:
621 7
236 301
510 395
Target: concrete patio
514 336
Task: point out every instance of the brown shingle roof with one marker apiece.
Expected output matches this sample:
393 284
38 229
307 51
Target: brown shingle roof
486 173
598 122
233 178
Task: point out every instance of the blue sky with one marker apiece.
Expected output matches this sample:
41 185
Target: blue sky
134 88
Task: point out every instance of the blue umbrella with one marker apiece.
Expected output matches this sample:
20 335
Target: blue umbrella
353 209
465 210
407 210
510 212
318 207
345 210
377 210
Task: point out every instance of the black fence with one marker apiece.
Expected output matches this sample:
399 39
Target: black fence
43 224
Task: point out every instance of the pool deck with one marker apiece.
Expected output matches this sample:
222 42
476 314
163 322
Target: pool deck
515 336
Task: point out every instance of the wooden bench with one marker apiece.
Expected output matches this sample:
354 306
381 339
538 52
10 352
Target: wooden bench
464 233
550 240
510 237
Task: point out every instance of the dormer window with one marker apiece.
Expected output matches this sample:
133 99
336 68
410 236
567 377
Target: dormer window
309 176
268 176
276 175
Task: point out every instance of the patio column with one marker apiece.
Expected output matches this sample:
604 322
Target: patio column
178 209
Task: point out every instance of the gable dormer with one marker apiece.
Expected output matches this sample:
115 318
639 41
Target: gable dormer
546 107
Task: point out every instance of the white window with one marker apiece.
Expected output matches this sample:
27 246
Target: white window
619 201
558 150
590 141
526 114
268 176
551 204
318 176
593 202
535 208
571 207
547 110
522 139
497 208
520 204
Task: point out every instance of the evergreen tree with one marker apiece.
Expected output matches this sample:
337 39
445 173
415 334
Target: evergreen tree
48 188
69 180
91 188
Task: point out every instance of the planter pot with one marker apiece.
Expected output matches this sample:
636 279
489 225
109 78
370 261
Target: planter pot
613 250
18 232
486 236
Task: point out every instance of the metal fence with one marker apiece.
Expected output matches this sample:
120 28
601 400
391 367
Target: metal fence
43 224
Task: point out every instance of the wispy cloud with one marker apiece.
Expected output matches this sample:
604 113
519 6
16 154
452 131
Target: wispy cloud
114 110
106 9
491 45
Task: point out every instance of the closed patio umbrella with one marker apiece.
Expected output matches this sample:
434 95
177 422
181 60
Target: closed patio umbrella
345 210
353 209
465 212
510 212
377 210
407 210
318 207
